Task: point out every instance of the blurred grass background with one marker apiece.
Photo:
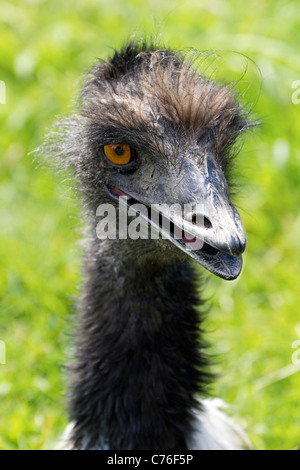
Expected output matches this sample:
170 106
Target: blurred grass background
44 47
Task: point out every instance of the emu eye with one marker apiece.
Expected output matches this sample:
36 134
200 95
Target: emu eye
118 154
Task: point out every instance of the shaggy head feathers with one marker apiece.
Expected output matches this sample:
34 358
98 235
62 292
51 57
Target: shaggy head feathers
150 94
157 101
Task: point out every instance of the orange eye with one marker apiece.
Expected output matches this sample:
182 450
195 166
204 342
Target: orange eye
119 154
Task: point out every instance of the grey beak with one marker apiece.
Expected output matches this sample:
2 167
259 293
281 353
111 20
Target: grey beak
195 200
211 217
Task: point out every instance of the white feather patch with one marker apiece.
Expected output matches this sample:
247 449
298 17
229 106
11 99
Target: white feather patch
215 430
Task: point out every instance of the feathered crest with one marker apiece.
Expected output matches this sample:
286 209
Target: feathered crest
147 89
156 99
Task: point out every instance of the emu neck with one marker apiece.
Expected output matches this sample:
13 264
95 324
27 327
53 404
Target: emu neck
138 365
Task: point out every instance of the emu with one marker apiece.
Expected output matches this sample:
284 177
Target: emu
151 129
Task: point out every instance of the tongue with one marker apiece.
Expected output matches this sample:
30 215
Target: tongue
188 238
194 243
119 193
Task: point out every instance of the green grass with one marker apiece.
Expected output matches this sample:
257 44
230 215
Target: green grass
45 47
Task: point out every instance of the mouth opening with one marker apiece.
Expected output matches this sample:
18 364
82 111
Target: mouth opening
191 242
221 263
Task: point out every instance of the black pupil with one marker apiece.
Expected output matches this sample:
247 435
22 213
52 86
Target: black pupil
119 151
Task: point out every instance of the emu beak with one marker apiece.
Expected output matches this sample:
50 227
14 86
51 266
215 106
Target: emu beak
192 209
213 233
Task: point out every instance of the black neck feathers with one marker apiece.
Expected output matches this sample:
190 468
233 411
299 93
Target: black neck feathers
138 365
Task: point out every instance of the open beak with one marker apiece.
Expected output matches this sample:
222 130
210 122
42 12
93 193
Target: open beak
216 240
198 217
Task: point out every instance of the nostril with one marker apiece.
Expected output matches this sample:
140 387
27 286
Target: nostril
207 223
201 220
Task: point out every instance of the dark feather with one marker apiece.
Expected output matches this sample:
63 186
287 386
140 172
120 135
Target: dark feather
140 355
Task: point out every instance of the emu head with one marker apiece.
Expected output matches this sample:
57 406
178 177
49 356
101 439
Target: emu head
154 131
